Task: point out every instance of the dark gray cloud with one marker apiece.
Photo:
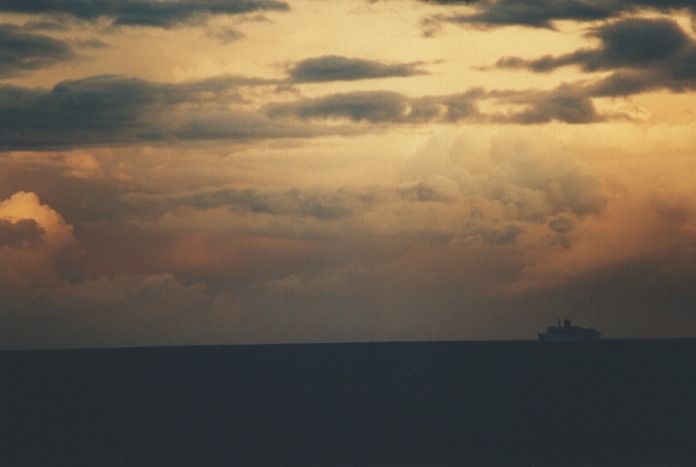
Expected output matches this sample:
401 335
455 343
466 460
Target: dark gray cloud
538 13
383 107
542 13
646 54
546 63
141 12
337 68
114 109
106 110
372 106
21 232
625 83
634 43
567 103
103 110
22 51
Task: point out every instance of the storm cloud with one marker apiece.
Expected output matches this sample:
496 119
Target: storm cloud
141 12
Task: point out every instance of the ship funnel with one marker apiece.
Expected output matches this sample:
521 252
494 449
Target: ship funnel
566 323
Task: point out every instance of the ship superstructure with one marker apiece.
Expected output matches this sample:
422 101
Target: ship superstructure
569 333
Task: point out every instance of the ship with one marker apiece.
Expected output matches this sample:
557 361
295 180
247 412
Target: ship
569 333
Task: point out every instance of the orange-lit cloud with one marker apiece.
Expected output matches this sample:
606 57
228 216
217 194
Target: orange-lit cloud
48 253
389 170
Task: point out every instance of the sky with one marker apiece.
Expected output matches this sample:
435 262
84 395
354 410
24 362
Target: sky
282 171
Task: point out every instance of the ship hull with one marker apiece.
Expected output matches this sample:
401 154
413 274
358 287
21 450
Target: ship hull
551 337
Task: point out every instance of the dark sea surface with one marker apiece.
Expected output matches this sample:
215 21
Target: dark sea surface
614 402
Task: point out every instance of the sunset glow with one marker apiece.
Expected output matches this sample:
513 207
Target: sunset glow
264 171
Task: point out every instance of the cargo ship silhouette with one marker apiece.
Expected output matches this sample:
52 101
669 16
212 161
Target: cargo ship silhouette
569 333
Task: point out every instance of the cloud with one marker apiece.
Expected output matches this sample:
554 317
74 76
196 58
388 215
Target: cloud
466 217
466 192
505 234
319 204
637 238
106 108
542 13
103 110
637 42
438 189
561 224
383 107
646 54
569 103
132 310
632 43
155 13
513 182
20 233
22 51
337 68
372 106
37 247
533 13
111 109
224 35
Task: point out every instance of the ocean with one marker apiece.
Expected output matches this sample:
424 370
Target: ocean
612 402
